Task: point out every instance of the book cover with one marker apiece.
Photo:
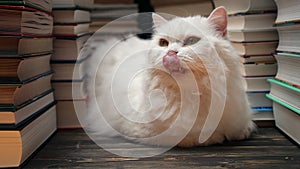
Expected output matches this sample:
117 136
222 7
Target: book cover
286 92
284 104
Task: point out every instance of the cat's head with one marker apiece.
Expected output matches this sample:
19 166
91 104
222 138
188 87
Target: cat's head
178 42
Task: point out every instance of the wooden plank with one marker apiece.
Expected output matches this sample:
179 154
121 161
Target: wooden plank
266 149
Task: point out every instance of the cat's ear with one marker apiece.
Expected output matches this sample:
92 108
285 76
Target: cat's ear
219 18
158 20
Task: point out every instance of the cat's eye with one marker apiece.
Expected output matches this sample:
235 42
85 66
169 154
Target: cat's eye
163 42
191 40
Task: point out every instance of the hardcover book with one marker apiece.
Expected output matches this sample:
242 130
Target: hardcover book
16 114
45 5
15 94
18 46
24 21
18 144
21 69
288 67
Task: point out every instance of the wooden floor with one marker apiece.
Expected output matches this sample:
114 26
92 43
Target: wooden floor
266 149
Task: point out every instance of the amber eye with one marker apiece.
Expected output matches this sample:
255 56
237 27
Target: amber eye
191 40
163 42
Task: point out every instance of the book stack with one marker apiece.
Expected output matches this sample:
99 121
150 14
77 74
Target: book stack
251 31
27 106
285 87
71 31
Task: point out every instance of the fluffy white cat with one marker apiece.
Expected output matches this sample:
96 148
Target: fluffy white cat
183 87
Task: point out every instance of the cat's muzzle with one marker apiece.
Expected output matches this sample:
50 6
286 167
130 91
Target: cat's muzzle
171 62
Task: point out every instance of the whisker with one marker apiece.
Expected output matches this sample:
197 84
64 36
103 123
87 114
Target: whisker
157 60
188 58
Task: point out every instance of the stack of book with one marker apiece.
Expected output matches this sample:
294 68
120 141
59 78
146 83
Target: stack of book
251 31
27 106
285 87
105 17
71 31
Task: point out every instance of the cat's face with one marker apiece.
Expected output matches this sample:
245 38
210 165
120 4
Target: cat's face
177 44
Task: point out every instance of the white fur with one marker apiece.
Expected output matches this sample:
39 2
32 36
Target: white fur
149 108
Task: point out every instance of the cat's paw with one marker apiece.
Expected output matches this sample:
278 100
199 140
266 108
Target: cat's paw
246 133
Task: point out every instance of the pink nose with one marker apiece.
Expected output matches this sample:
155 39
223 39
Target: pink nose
172 53
171 61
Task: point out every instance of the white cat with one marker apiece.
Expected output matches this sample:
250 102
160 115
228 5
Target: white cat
183 87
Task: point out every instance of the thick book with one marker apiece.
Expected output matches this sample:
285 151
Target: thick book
70 113
71 29
258 59
288 10
254 35
289 37
24 21
68 48
251 21
45 5
285 92
258 99
23 69
16 94
85 4
259 70
16 114
67 70
288 67
69 90
287 118
17 145
246 6
71 16
255 48
18 46
263 116
257 83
